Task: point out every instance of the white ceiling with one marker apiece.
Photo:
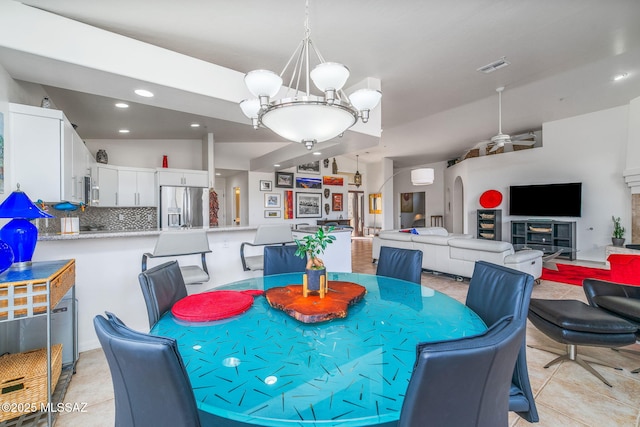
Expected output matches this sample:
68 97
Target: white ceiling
563 54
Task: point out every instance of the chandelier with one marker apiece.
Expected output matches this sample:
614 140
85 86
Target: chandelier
301 116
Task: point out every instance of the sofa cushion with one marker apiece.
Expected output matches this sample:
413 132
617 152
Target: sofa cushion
481 245
436 231
395 235
432 239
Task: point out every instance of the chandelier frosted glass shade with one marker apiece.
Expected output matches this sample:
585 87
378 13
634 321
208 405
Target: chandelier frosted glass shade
329 76
308 119
251 109
263 83
365 100
422 176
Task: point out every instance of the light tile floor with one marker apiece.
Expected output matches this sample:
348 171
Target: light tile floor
566 395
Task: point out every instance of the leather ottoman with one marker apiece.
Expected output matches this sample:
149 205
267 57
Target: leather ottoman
574 323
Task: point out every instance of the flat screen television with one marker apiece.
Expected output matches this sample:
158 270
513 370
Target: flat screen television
546 200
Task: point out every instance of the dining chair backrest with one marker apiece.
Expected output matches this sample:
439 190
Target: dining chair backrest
403 264
162 286
266 234
150 383
464 382
496 291
282 259
177 243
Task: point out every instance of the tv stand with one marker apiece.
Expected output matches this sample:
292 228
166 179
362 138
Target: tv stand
546 232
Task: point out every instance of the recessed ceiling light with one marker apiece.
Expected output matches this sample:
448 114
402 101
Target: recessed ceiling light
122 105
218 174
317 153
195 125
143 92
621 76
276 165
124 131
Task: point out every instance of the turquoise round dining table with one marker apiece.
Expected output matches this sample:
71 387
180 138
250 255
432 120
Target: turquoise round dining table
265 368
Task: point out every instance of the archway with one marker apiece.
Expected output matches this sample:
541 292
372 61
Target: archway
457 206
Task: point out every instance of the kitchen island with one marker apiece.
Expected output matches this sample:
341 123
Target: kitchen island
108 264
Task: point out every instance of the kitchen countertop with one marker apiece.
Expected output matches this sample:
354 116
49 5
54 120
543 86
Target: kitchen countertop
313 229
103 234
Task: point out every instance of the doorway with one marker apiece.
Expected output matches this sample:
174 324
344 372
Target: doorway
412 209
355 212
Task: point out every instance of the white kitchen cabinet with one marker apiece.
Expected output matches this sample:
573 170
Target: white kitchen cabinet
183 177
125 187
107 186
41 158
136 187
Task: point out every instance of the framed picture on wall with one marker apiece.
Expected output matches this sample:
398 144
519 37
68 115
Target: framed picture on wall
375 203
308 205
310 183
284 179
333 180
310 168
272 200
272 214
265 185
336 201
406 202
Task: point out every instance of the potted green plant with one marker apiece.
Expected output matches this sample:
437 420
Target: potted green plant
618 232
312 246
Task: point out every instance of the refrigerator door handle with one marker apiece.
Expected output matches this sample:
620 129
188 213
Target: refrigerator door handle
186 205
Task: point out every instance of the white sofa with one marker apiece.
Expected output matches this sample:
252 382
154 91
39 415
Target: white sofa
456 254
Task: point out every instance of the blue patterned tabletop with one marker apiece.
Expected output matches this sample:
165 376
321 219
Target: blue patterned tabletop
265 368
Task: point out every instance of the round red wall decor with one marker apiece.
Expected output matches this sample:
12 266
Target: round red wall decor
490 199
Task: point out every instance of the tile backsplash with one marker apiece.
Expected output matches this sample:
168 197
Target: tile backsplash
111 219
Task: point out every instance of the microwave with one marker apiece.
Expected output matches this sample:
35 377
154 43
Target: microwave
85 193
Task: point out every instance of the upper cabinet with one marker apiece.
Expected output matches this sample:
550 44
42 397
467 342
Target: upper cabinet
136 187
183 177
43 161
106 188
125 187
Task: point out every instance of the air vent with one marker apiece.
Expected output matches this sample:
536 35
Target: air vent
489 68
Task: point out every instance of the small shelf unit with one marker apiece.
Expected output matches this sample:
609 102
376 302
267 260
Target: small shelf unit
489 224
545 232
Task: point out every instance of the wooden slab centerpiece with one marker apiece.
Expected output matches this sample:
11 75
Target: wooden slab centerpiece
313 309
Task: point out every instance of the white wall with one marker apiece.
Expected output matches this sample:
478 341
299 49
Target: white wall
434 193
590 148
145 153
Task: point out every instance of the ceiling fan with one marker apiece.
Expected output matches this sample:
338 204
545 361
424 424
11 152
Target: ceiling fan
500 139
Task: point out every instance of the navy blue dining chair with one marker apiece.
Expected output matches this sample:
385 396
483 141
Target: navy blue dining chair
162 286
150 382
496 291
403 264
283 259
464 382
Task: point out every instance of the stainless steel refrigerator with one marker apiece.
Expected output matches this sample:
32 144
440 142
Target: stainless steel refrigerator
182 207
